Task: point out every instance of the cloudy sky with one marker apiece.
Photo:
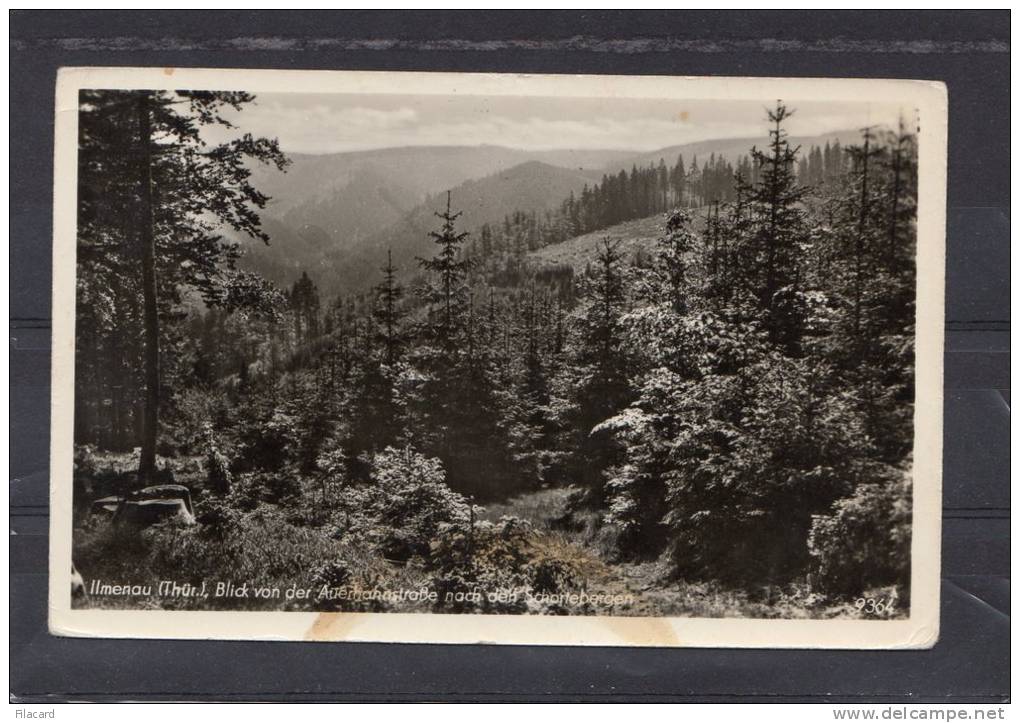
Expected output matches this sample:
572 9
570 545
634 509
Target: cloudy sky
332 123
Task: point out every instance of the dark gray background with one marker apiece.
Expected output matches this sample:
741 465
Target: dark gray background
968 50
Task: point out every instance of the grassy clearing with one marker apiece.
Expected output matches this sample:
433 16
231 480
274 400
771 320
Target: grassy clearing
634 236
637 236
540 508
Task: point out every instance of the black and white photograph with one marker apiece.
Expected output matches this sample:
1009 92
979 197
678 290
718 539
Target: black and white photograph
371 345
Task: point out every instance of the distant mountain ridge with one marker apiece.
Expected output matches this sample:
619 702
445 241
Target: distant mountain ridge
732 148
412 172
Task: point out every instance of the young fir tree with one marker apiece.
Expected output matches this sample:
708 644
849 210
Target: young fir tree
526 400
771 252
876 288
660 332
388 313
374 412
452 410
446 295
304 302
593 383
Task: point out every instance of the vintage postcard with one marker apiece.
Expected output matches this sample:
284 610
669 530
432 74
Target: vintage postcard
458 358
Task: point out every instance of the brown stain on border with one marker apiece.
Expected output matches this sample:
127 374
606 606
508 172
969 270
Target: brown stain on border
629 631
633 631
643 631
332 626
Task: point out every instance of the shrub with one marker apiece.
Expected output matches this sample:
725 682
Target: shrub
190 413
553 575
259 548
215 516
412 502
357 573
251 489
84 460
332 573
98 543
865 542
85 470
478 559
267 438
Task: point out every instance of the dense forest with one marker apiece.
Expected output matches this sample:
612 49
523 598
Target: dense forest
719 425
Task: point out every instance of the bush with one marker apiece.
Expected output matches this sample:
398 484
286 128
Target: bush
190 413
412 502
492 567
251 489
471 560
865 542
361 573
216 515
399 511
267 438
259 548
332 573
85 472
553 575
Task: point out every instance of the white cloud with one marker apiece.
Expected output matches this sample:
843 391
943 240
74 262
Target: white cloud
330 124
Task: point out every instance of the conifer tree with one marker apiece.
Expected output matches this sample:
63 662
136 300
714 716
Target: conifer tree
304 301
454 408
156 211
387 311
679 181
594 383
447 295
772 252
528 427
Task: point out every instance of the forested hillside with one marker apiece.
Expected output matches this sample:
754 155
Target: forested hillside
712 416
491 200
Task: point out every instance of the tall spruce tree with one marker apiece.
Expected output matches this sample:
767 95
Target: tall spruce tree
453 410
446 295
387 311
593 385
153 197
771 253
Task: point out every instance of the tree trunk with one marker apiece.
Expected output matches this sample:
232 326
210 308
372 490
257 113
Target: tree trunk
891 248
150 418
859 239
